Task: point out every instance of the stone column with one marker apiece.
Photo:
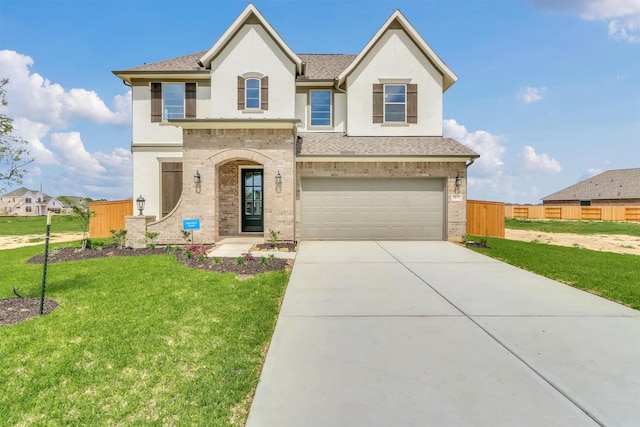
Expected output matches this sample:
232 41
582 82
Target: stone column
136 226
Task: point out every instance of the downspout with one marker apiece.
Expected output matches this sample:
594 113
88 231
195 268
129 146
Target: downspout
346 121
126 83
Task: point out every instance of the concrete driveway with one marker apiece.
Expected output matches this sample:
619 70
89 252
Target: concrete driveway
433 334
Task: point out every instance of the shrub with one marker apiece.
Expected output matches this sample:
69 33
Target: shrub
149 237
248 256
273 237
264 260
240 260
118 237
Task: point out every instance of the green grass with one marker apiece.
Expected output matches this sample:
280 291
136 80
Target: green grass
135 341
575 227
612 276
21 225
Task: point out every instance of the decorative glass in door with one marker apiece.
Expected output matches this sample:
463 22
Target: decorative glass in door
252 200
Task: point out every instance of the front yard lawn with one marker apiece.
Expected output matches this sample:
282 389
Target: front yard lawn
575 227
22 225
134 340
612 276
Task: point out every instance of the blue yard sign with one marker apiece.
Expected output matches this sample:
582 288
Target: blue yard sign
191 224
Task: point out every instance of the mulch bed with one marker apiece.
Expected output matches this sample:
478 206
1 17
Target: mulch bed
281 246
224 265
15 310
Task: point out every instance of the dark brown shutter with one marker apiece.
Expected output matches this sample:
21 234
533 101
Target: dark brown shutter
156 102
240 93
190 101
378 102
171 185
264 93
412 103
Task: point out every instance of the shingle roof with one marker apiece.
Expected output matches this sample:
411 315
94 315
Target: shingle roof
613 184
319 66
325 66
336 144
181 63
18 192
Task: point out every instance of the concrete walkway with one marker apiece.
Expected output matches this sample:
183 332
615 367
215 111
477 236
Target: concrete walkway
433 334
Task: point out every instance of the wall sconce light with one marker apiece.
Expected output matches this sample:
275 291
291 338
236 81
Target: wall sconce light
140 203
458 182
197 180
278 178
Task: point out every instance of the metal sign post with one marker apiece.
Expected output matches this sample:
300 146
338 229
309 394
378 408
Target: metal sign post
46 259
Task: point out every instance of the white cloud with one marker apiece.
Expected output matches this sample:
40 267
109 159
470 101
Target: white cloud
37 99
76 158
33 133
487 145
530 161
623 15
530 94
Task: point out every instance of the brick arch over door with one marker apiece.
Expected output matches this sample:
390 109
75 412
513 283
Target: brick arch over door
226 165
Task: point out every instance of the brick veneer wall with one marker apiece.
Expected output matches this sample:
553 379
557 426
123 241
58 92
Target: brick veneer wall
456 211
215 153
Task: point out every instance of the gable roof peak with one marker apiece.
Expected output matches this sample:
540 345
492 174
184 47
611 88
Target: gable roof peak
398 21
249 14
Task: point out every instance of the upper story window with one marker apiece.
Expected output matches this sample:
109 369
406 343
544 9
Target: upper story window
27 200
253 92
395 103
173 101
320 101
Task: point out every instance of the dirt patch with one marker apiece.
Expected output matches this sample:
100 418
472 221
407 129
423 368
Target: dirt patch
15 310
12 242
615 243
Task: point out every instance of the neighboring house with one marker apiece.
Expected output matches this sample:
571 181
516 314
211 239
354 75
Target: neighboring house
250 136
65 204
615 187
24 202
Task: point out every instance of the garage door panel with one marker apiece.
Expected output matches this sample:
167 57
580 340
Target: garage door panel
372 208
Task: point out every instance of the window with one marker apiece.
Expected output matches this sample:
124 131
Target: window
173 101
27 200
252 93
27 209
395 103
320 107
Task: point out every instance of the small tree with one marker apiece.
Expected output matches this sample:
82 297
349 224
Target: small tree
14 155
82 217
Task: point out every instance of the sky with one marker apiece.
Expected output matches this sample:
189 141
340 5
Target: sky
548 91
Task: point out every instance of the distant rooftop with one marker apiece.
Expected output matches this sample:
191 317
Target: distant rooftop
613 184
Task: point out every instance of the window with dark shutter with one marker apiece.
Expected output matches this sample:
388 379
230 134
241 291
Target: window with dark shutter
190 101
156 102
264 93
412 103
240 93
378 102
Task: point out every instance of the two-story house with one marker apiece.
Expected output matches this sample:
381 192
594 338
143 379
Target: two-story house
24 202
250 136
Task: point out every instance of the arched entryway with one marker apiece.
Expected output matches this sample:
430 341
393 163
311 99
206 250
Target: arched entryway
240 197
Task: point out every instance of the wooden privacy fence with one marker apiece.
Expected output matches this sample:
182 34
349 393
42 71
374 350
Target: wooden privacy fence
597 213
109 215
485 218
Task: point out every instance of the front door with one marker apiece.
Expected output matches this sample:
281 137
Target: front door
252 200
